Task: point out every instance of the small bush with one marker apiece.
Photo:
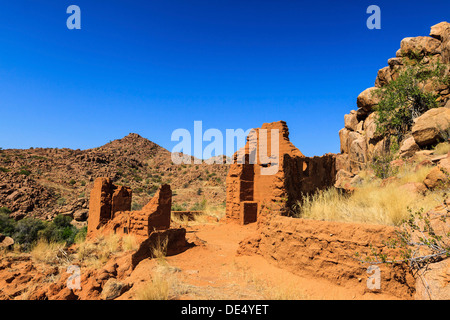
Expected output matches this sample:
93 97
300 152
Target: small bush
27 231
61 201
72 182
7 225
136 206
178 207
24 172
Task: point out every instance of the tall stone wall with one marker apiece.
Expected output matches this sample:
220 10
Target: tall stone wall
249 189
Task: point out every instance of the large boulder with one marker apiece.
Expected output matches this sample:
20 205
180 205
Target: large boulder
6 242
408 147
368 99
440 31
419 46
351 121
432 126
438 178
370 128
357 152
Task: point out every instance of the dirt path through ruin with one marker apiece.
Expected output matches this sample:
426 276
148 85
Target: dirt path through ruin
213 270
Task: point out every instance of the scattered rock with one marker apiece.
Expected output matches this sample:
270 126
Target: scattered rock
408 148
113 289
429 128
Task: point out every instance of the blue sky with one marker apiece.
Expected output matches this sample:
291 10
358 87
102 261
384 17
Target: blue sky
151 67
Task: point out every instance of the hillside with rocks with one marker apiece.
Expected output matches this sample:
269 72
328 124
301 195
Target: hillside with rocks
406 114
45 182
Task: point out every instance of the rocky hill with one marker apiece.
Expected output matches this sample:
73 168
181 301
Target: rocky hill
407 111
44 182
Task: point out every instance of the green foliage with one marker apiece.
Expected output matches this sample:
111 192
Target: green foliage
59 230
404 99
2 169
178 207
24 172
4 210
382 168
7 225
61 201
136 206
199 206
28 231
72 182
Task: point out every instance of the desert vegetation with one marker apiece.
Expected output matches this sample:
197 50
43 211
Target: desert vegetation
374 200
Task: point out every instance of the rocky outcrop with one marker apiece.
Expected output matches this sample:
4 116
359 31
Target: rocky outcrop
249 190
359 140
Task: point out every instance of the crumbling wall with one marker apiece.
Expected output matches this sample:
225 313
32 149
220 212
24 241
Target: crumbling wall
249 188
106 199
110 210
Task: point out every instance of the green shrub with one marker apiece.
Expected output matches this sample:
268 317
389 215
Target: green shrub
61 201
2 169
7 225
24 172
404 99
59 230
26 231
72 182
178 207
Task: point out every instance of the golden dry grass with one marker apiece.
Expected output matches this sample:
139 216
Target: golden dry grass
156 289
372 202
442 148
47 252
97 253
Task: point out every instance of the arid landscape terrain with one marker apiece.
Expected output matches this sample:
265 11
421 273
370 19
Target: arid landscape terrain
122 221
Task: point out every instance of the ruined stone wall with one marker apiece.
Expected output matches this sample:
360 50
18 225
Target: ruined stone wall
110 210
249 189
329 250
106 199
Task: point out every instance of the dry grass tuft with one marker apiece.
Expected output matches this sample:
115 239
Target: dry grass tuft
47 252
442 148
156 289
96 254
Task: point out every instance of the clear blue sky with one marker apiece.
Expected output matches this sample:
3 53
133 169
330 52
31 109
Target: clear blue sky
153 66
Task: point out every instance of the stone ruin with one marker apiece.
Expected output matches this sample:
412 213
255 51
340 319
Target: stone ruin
110 210
249 191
